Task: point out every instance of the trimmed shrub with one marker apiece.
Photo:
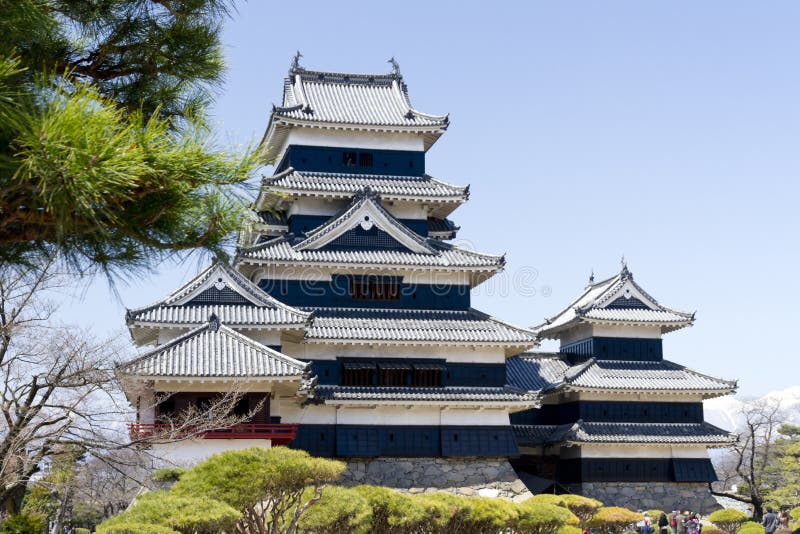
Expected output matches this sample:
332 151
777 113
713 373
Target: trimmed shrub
168 474
794 513
187 515
263 484
82 531
338 510
132 527
750 527
392 511
445 513
570 529
584 508
614 519
653 515
487 515
729 519
714 531
23 524
549 498
542 518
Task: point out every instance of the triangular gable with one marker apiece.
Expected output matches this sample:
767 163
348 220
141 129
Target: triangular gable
213 349
626 294
220 285
365 215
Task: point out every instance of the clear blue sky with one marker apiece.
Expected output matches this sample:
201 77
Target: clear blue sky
665 131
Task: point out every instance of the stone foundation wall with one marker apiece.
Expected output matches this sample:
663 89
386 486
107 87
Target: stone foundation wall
487 477
666 496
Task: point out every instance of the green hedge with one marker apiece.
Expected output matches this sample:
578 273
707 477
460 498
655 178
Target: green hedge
729 520
23 524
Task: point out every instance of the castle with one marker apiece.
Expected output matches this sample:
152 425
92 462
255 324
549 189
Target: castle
346 324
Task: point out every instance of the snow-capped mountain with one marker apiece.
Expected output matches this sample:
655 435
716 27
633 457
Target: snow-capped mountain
726 412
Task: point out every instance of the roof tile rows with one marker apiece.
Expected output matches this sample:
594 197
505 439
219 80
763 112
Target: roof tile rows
470 326
646 433
346 185
213 350
598 302
469 394
377 100
448 256
545 372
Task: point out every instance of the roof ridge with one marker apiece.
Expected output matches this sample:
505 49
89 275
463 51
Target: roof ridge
365 197
674 365
221 329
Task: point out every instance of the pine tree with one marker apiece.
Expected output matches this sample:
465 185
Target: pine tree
105 160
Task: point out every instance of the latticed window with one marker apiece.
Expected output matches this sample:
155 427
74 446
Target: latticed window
349 159
365 159
374 289
427 375
357 374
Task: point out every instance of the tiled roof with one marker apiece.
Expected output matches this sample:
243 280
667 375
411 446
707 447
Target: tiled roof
343 185
213 350
365 209
271 218
615 300
536 373
401 325
593 432
532 371
443 394
442 228
446 256
253 306
358 99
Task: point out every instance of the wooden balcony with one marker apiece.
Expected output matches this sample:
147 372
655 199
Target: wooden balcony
280 434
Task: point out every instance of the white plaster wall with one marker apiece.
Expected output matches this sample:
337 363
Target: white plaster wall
292 412
388 415
350 139
584 331
474 416
313 351
316 206
640 396
192 451
265 337
638 451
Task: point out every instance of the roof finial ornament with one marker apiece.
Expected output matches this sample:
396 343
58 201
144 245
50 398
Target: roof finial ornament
591 277
296 61
624 272
395 66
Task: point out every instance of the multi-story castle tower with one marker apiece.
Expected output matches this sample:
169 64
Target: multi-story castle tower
618 421
346 324
348 270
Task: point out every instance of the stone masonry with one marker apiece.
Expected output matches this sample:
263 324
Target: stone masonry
666 496
487 477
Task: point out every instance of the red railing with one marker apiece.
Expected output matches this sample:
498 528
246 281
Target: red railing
280 434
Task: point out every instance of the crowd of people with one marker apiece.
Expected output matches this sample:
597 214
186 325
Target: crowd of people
689 523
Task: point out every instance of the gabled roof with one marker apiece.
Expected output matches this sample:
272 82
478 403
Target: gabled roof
365 211
403 326
548 372
613 433
221 290
213 350
343 185
350 394
373 102
616 300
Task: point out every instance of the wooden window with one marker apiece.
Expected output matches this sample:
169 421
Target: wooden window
349 159
365 159
356 376
374 289
392 377
426 376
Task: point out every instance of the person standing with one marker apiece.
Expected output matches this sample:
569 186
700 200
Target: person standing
680 520
770 521
663 523
673 521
